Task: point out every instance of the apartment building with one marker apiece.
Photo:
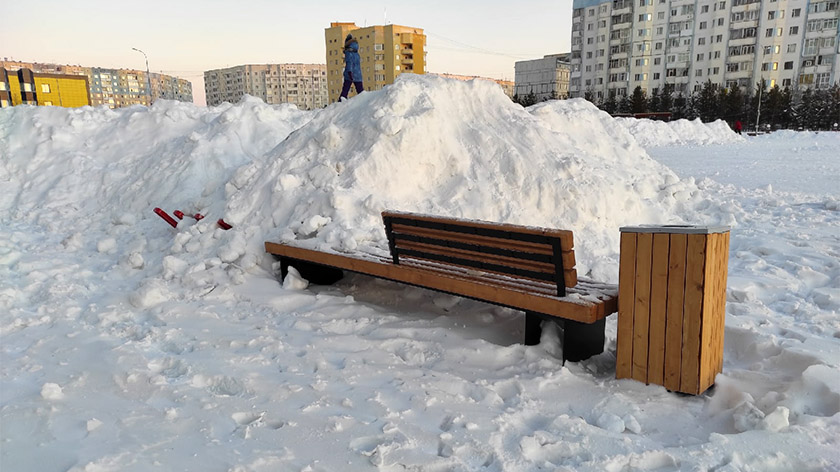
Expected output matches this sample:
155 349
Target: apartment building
118 88
546 78
303 85
506 85
24 87
618 45
385 52
115 88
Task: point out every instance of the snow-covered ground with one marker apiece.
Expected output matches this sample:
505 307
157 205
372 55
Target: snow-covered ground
128 345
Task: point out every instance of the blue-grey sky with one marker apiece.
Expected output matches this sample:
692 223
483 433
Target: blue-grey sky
186 37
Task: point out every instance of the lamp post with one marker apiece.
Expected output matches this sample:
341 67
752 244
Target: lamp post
148 75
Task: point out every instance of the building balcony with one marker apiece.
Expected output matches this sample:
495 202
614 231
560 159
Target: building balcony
407 61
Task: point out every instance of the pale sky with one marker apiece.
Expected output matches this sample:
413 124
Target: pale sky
184 38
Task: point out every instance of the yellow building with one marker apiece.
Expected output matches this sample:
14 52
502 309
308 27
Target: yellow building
385 52
24 87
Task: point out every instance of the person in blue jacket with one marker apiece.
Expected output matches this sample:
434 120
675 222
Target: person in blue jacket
352 67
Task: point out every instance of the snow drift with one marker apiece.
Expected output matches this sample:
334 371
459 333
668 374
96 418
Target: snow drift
682 132
127 345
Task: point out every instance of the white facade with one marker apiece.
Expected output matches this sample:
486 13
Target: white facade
619 45
546 78
304 85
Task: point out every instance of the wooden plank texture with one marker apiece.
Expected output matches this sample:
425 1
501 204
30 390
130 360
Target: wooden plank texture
693 315
565 235
658 305
567 251
714 306
626 303
641 308
577 309
725 272
674 311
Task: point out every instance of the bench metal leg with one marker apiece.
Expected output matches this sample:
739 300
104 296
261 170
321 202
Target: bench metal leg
317 274
580 340
533 331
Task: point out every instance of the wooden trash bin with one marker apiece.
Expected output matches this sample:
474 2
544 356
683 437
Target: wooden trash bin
671 305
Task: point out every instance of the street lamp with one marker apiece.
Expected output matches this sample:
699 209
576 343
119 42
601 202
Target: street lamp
148 74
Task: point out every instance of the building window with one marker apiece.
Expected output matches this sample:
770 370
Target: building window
788 65
45 88
794 30
795 12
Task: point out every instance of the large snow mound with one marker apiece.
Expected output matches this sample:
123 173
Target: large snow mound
92 163
680 132
424 144
461 149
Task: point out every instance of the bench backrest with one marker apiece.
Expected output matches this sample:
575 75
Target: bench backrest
522 251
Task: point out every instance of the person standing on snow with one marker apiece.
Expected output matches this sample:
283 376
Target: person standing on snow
738 126
352 67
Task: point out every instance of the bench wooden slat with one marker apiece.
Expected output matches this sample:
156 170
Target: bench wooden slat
525 247
564 235
539 267
496 278
522 246
512 249
578 306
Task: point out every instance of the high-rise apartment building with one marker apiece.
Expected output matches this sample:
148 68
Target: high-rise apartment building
618 45
304 85
116 88
546 78
385 52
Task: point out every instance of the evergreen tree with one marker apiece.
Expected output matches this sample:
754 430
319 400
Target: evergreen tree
609 105
623 105
805 110
773 107
679 107
666 99
706 102
834 112
654 101
638 102
526 100
589 96
733 105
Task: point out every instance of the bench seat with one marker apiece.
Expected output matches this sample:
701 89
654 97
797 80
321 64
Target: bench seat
524 268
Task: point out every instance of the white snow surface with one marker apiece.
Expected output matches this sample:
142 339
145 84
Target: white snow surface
651 133
128 345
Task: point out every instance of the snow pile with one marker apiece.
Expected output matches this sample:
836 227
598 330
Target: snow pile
461 149
127 345
680 132
85 166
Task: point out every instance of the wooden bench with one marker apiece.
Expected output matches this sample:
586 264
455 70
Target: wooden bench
525 268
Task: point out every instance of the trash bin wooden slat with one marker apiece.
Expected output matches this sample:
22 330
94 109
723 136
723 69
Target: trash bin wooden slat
672 300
